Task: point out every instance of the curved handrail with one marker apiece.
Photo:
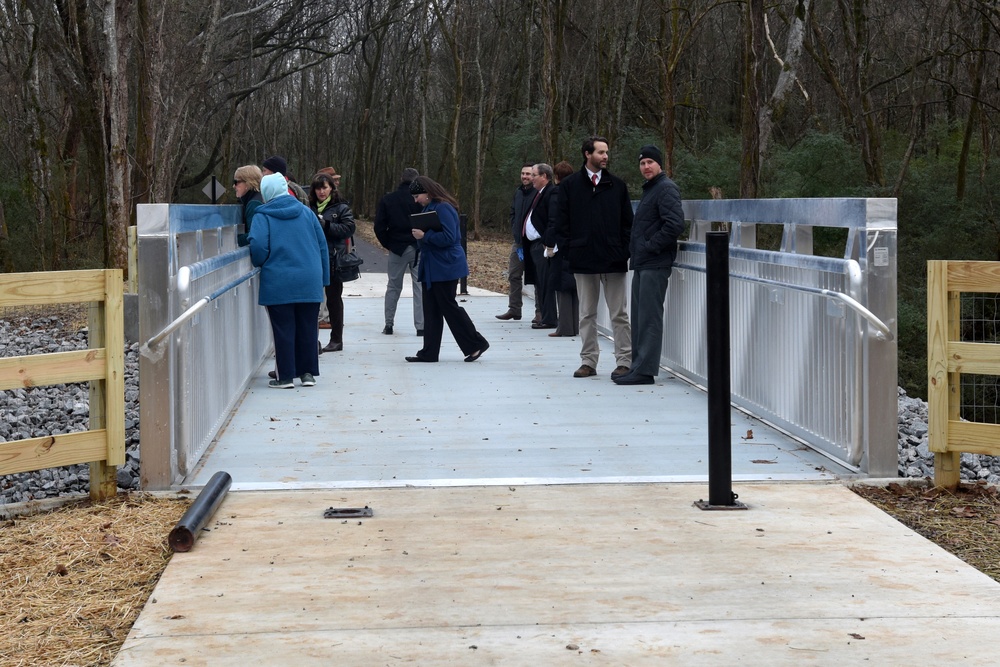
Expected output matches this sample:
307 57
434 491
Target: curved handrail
883 332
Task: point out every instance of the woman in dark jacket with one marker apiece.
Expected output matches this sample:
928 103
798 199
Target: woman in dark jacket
337 221
246 183
560 277
442 264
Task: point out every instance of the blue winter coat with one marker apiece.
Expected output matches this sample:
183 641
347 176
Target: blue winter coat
441 254
288 245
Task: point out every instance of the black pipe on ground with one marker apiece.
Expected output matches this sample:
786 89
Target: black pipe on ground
184 534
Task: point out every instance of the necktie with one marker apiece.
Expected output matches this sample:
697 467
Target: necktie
594 179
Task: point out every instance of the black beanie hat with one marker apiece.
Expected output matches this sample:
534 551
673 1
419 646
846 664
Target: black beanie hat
651 152
416 188
276 163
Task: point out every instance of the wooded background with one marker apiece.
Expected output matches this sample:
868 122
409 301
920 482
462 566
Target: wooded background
112 103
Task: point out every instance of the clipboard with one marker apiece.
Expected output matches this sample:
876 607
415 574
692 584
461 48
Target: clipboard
426 221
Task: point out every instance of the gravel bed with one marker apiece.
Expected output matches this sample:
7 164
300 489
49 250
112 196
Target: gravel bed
41 411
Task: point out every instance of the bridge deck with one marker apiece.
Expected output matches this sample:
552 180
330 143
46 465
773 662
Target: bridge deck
517 416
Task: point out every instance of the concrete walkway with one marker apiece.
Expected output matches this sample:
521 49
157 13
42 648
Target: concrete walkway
630 575
526 517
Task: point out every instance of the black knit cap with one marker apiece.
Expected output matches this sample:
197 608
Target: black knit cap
651 152
276 163
416 188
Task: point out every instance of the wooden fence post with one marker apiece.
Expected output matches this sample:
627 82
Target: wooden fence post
942 325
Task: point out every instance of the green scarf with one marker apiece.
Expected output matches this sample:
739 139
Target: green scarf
320 206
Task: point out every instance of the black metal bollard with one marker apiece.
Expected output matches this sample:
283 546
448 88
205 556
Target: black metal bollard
184 534
463 224
720 455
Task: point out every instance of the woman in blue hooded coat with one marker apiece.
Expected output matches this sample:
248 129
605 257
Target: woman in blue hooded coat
288 245
442 264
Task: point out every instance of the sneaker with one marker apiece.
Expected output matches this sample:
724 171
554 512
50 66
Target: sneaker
307 380
281 384
388 330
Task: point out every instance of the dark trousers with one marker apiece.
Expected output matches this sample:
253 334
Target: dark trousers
335 304
545 293
649 288
569 313
293 326
440 306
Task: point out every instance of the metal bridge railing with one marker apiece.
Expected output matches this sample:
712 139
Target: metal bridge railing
813 338
197 310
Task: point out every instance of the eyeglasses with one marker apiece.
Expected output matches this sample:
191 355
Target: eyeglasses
237 182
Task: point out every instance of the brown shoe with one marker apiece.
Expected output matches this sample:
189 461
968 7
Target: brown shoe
509 315
620 371
585 371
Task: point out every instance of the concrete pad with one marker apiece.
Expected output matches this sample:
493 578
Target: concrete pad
620 574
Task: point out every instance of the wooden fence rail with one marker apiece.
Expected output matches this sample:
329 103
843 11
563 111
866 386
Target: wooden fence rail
102 365
947 358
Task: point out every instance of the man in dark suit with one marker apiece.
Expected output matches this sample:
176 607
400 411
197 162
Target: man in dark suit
593 229
394 231
534 229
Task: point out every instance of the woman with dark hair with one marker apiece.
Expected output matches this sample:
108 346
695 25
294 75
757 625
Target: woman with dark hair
442 264
337 221
560 277
246 183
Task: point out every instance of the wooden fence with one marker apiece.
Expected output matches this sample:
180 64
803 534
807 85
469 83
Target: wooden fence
948 357
102 364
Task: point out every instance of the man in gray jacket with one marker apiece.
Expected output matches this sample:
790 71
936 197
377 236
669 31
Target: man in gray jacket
523 197
659 220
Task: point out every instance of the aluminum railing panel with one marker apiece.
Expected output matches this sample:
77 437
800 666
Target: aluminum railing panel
202 368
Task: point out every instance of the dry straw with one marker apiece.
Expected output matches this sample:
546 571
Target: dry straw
76 578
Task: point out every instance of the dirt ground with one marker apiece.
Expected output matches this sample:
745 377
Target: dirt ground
76 578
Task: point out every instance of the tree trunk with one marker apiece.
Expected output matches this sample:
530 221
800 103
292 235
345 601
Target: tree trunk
977 87
788 76
753 83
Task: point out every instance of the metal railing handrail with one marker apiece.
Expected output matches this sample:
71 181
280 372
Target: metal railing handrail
883 331
154 342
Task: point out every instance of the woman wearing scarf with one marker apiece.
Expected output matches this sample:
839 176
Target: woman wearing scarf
337 221
287 243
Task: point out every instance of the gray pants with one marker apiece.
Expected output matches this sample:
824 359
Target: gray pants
649 288
515 274
398 265
588 287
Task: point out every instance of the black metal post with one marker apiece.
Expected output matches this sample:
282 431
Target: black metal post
463 223
184 534
720 455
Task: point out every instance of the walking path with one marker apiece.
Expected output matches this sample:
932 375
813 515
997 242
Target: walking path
526 517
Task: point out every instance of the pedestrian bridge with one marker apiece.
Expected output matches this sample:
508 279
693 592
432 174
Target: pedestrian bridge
813 368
